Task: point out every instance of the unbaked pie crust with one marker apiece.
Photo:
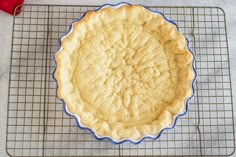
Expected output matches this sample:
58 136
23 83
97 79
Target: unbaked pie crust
126 72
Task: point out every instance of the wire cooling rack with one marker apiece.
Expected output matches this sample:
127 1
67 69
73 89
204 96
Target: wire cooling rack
37 125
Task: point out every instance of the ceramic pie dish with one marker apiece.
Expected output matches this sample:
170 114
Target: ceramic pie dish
124 72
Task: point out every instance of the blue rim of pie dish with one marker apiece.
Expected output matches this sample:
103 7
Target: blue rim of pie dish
77 117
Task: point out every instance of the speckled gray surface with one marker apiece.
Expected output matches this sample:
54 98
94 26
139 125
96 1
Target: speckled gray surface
6 32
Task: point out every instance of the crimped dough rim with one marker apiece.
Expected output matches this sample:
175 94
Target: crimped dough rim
58 58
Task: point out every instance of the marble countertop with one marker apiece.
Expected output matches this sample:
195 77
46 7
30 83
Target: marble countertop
6 34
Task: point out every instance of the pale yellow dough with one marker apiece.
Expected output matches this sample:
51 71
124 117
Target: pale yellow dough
126 72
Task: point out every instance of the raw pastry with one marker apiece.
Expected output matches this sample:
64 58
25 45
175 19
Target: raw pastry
126 72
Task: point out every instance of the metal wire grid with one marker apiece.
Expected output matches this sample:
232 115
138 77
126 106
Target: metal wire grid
37 125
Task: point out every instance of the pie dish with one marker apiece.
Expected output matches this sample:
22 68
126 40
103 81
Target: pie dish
124 72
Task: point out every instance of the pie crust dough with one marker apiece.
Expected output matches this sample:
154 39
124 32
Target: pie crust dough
126 72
